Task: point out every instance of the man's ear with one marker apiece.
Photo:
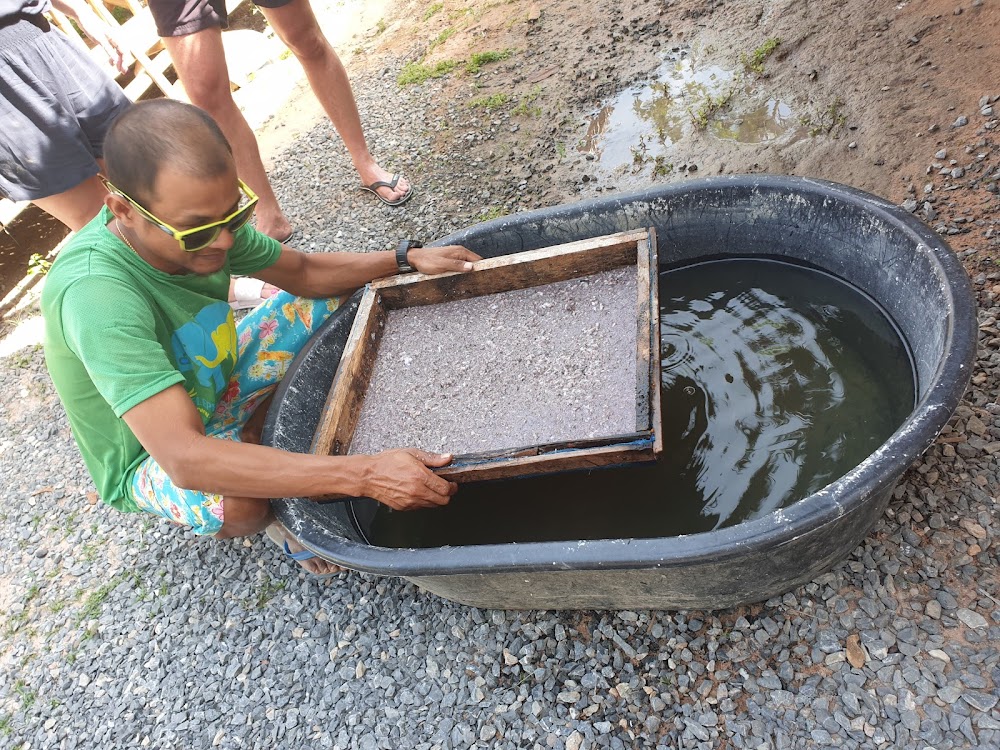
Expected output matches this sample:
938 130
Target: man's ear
123 210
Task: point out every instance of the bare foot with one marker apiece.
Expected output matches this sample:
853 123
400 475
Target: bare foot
273 224
245 294
280 536
376 174
254 427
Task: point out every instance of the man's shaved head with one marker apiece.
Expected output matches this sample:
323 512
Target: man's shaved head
163 131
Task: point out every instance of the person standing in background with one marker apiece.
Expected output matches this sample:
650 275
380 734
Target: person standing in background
192 33
56 104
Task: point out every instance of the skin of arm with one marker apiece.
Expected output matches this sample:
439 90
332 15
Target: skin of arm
400 479
318 275
97 30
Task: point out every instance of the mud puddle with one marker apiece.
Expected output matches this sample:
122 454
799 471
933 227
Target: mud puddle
646 126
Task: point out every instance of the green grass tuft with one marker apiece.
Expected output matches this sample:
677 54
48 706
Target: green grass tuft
709 107
38 265
26 694
492 213
483 58
441 38
418 73
490 102
527 106
755 61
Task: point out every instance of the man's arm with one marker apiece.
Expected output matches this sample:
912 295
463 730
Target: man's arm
320 275
97 30
168 426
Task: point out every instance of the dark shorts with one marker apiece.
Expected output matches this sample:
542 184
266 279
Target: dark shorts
182 17
56 104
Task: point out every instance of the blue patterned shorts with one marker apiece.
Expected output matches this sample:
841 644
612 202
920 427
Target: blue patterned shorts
268 339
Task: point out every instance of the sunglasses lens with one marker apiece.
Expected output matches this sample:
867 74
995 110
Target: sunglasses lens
201 238
205 237
241 218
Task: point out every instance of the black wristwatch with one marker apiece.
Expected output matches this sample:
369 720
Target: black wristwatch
404 247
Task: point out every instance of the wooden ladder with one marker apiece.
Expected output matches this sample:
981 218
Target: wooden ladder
139 36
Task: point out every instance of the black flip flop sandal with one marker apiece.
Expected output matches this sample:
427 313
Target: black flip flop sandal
373 189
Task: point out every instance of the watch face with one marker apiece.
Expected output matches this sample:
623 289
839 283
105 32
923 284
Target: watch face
402 262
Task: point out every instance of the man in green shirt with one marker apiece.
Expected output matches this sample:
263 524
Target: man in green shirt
162 390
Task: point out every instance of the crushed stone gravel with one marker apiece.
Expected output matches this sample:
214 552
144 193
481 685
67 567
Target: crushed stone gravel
121 631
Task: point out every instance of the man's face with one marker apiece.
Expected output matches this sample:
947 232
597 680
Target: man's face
184 202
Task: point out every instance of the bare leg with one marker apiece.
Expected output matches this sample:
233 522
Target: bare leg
246 516
200 61
76 206
297 27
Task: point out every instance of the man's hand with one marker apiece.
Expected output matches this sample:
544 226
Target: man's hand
117 51
110 39
320 275
402 480
431 260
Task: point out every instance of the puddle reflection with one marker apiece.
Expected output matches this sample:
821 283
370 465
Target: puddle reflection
644 123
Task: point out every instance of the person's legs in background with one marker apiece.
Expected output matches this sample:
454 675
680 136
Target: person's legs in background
56 105
296 25
192 33
76 206
200 61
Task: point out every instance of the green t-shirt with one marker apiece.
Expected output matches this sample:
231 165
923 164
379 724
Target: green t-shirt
118 331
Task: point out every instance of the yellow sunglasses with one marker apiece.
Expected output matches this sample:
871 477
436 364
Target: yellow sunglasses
192 240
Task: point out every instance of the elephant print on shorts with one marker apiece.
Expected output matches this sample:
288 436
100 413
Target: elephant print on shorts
205 351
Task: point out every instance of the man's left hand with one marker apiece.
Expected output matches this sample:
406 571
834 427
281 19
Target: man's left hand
450 258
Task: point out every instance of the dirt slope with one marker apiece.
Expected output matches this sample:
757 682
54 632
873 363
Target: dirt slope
872 89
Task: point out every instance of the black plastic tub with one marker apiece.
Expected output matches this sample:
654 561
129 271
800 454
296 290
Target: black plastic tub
862 239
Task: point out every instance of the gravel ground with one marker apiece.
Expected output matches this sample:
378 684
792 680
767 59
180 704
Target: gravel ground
120 631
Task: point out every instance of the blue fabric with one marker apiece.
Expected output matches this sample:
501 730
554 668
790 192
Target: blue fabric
268 339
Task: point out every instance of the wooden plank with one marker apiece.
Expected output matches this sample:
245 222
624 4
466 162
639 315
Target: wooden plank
347 393
137 40
62 22
507 273
10 210
510 272
643 413
142 81
655 376
572 460
538 450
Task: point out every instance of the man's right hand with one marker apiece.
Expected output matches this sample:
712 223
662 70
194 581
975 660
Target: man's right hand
403 480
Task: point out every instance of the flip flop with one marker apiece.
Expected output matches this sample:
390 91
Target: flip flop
307 555
282 240
297 556
300 555
373 189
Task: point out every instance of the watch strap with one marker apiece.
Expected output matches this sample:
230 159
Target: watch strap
402 262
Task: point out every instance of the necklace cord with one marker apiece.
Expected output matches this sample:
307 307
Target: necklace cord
121 233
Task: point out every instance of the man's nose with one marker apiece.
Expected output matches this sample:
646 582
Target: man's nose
224 241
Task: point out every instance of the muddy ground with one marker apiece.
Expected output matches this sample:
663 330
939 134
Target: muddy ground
870 93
